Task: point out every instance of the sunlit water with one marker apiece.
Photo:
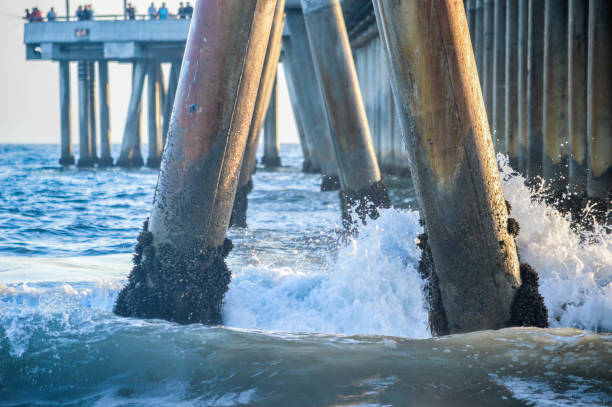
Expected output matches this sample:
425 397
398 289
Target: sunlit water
308 321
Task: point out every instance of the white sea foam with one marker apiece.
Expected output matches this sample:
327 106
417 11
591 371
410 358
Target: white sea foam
575 269
371 287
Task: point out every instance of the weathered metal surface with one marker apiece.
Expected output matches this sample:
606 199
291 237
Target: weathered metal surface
555 125
499 76
66 157
535 88
337 76
577 95
105 132
452 161
599 98
130 154
511 103
154 104
210 121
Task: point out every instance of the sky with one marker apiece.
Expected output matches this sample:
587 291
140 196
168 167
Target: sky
29 99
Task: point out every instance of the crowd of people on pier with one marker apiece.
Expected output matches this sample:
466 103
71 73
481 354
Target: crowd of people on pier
85 12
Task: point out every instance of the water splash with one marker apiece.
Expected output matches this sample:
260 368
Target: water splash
575 267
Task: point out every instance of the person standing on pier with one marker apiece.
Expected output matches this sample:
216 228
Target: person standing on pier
36 16
131 12
152 12
188 10
51 16
181 11
163 12
80 13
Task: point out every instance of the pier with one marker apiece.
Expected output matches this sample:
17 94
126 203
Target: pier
433 89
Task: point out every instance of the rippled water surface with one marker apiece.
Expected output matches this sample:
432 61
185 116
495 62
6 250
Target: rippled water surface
308 321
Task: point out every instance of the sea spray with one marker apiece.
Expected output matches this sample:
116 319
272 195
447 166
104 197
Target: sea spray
575 267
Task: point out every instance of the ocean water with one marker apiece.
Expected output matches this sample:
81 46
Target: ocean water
308 321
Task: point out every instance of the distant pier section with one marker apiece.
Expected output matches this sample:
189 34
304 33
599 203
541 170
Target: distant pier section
145 44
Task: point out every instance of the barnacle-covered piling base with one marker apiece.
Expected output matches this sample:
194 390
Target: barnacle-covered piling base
185 285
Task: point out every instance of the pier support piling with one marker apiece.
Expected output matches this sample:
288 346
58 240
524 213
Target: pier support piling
266 97
578 43
130 155
154 104
523 66
488 57
93 134
315 115
106 159
511 103
66 157
180 273
499 76
362 189
85 157
535 89
443 119
175 70
599 108
555 123
271 157
297 110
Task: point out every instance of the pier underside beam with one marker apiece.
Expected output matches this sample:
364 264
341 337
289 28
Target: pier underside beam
180 273
599 108
266 96
130 155
555 119
106 160
66 157
443 119
362 189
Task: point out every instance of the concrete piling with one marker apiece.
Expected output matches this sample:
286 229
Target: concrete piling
271 157
555 119
266 97
130 155
499 76
362 188
599 108
154 104
318 129
535 89
180 273
175 70
478 39
443 119
578 45
66 157
85 157
488 56
93 134
297 109
522 69
511 119
106 159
